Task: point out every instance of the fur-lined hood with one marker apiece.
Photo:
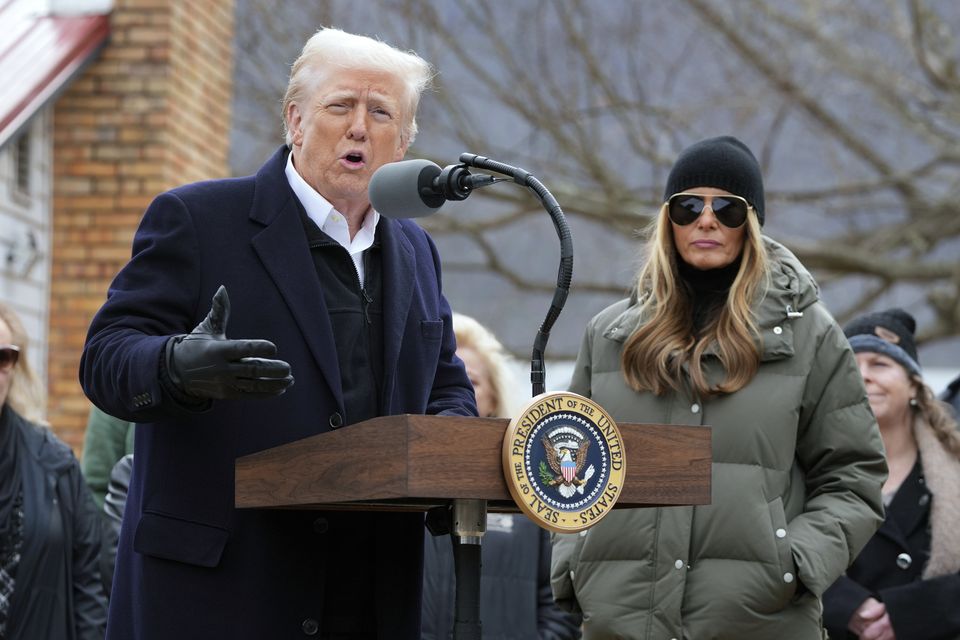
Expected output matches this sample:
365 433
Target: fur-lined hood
941 471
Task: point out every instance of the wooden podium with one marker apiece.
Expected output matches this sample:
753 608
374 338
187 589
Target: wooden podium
415 462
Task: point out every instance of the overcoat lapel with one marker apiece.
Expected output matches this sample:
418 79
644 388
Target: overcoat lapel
283 250
398 277
906 511
912 508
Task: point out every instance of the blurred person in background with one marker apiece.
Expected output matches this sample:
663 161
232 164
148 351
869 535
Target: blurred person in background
905 583
725 329
516 601
951 395
50 586
105 441
114 504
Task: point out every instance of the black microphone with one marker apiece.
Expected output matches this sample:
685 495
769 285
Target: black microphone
417 188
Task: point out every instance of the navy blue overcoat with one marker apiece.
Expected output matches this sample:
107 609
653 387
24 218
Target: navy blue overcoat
189 564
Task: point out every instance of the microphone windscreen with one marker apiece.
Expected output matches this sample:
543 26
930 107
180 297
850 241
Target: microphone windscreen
405 189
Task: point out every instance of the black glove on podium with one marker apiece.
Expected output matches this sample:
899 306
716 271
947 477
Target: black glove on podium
205 364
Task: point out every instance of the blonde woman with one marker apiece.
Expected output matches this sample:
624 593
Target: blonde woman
906 582
515 598
725 329
488 367
50 585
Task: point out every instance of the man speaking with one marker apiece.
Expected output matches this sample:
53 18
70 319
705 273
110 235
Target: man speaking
236 288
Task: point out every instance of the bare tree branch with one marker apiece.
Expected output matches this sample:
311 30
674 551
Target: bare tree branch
852 105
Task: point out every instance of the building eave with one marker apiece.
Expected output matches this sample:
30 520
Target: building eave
40 55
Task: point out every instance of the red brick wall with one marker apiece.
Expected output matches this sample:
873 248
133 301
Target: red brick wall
152 112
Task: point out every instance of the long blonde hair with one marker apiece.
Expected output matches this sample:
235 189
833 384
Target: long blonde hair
937 415
26 391
654 356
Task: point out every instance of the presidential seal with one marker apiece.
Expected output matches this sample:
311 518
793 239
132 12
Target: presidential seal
563 461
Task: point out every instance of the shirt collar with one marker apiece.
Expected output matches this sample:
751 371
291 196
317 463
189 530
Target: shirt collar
317 207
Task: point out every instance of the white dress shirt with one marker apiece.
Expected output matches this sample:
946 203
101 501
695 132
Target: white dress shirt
331 221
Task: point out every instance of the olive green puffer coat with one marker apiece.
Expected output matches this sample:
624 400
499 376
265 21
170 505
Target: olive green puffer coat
797 469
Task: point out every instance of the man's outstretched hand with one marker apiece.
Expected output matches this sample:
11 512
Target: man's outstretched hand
205 364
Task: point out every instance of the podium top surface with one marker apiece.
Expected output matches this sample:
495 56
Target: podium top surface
414 462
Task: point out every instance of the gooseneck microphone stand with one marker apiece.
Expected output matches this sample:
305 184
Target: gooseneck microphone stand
565 271
466 519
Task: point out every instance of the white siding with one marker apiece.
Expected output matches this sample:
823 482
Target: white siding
25 230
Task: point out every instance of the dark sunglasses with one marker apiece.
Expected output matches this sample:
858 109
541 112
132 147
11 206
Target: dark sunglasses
685 208
9 354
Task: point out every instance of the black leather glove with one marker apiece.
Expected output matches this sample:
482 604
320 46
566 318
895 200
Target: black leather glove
205 364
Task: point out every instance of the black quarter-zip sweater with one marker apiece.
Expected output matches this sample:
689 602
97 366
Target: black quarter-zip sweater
356 316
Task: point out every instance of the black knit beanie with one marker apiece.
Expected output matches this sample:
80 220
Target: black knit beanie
722 163
887 332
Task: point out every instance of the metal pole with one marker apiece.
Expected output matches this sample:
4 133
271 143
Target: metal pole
469 518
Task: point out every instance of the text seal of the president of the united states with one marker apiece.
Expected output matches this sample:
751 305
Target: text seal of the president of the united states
563 461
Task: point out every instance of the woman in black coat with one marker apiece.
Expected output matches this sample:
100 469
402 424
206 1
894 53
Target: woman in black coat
905 583
50 586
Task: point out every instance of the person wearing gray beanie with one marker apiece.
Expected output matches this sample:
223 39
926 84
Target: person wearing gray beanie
906 581
725 328
889 332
